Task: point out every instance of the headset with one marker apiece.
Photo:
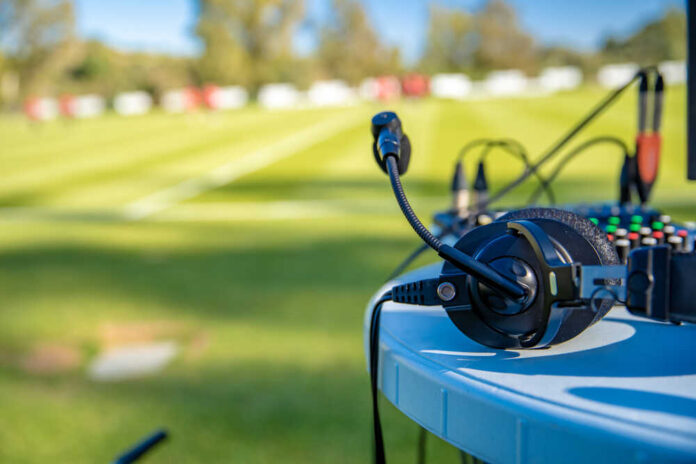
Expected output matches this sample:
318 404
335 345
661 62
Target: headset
535 277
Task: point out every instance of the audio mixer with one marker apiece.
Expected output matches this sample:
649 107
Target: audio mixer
627 227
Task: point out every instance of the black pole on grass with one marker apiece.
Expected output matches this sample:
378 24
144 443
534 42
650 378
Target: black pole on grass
137 451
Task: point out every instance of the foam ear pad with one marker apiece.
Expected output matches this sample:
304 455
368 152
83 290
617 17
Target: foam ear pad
587 229
596 238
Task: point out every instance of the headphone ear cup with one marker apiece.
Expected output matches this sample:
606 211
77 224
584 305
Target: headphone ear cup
596 238
586 228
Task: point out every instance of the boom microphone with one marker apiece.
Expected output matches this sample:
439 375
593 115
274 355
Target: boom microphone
390 140
392 151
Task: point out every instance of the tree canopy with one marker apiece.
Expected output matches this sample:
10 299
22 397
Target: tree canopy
251 43
247 42
38 35
349 47
659 40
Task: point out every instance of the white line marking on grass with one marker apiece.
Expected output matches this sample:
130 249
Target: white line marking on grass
286 210
244 165
132 361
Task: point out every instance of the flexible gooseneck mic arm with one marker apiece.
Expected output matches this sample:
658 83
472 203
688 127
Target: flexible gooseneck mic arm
386 129
466 263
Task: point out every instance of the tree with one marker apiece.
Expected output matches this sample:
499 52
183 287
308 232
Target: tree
247 42
659 40
38 36
349 47
501 42
490 39
451 41
106 71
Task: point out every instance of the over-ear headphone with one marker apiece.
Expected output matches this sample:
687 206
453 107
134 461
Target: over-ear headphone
538 276
526 245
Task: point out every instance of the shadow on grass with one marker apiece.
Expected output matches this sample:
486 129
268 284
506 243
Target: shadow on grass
320 282
229 412
223 406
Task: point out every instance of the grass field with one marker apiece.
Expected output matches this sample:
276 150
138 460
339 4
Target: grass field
253 239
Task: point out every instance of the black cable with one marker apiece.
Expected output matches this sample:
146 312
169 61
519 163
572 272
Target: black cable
553 150
378 439
422 440
513 147
421 230
469 146
544 184
466 263
576 151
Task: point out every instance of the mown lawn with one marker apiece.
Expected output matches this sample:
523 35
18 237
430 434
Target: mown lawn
262 281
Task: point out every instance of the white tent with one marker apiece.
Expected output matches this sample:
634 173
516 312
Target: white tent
560 78
454 86
85 106
616 75
132 103
42 109
227 98
509 82
331 93
673 72
278 96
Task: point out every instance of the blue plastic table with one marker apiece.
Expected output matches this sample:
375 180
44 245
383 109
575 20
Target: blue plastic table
622 391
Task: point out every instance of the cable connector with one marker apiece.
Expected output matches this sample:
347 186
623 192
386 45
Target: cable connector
420 292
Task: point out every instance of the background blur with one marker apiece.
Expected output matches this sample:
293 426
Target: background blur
191 222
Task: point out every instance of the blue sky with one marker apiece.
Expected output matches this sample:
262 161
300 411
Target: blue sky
167 25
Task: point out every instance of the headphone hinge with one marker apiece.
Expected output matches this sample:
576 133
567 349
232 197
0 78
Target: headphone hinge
567 283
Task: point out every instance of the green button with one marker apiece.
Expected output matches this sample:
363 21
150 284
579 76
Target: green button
611 228
595 221
657 225
615 221
634 227
637 219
